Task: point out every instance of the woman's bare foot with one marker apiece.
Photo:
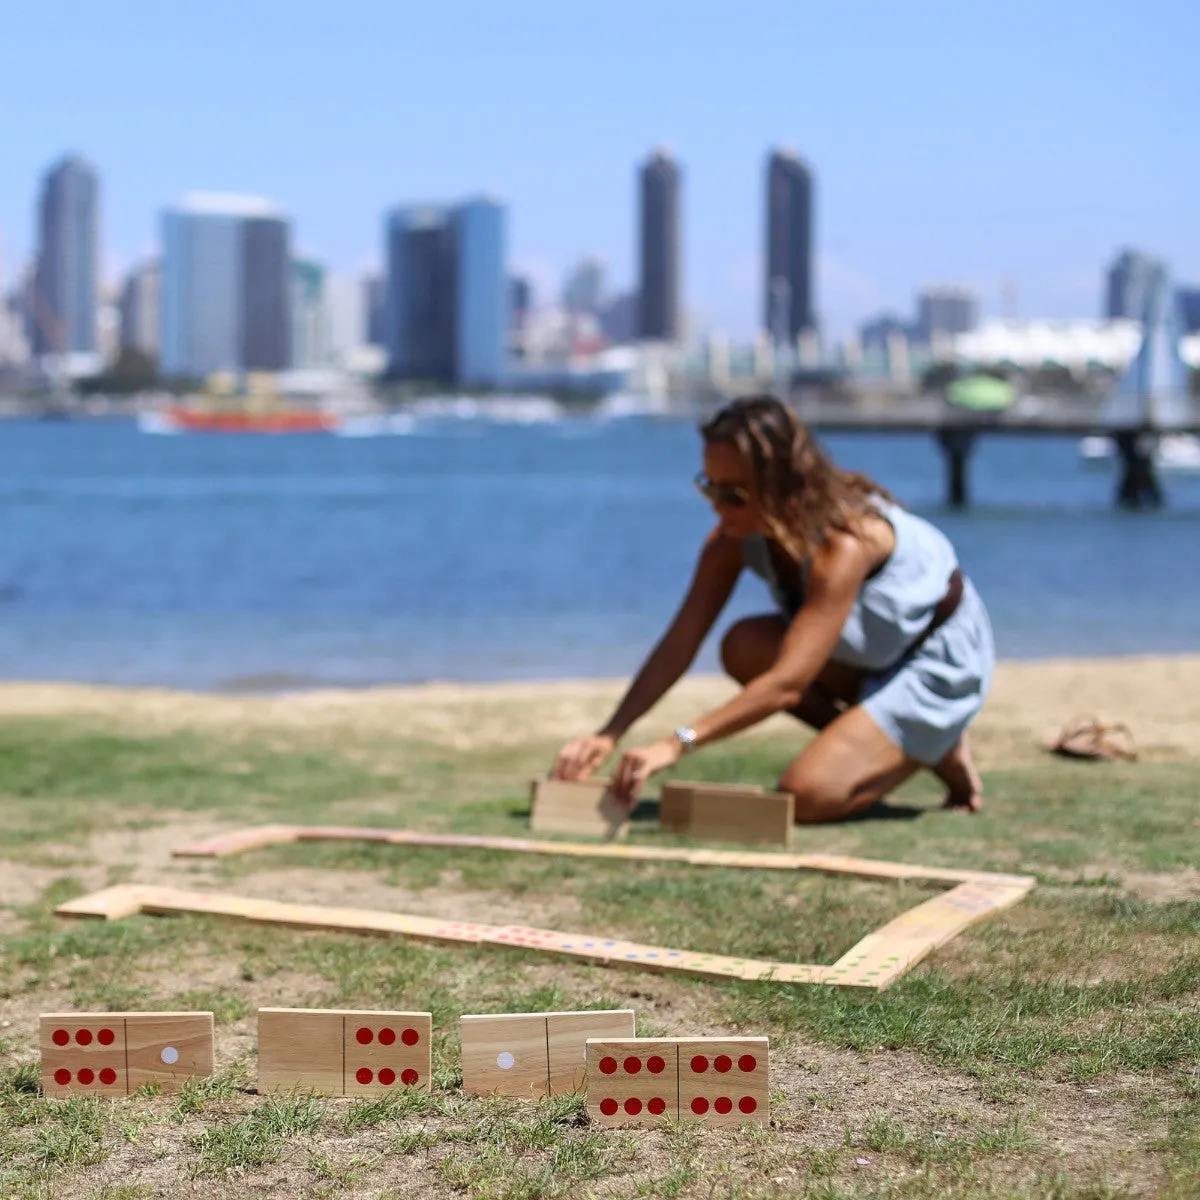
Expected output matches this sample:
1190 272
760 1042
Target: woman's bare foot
957 771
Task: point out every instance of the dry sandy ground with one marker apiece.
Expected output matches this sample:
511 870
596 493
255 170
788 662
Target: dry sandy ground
1158 697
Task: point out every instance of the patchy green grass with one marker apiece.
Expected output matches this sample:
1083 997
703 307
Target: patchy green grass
1053 1051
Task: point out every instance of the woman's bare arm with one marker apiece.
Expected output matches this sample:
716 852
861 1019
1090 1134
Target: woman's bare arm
834 579
715 577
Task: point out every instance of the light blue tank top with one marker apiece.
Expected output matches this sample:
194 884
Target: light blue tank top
895 605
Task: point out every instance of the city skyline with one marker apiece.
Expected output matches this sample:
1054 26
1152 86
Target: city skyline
947 144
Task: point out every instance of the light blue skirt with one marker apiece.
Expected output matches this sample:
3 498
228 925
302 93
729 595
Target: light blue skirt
926 703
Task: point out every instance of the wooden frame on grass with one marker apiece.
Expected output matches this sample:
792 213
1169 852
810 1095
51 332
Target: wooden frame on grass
876 961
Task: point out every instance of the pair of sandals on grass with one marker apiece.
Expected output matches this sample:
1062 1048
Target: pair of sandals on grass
1088 737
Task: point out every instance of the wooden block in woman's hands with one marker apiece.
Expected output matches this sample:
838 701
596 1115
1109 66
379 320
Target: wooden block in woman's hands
584 809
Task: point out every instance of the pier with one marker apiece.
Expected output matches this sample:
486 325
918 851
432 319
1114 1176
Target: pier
956 431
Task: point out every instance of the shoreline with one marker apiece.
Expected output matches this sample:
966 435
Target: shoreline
1158 696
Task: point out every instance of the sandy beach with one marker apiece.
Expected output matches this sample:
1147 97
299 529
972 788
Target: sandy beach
1158 697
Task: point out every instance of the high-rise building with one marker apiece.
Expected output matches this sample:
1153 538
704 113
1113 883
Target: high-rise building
1188 301
226 296
874 335
660 189
1132 278
447 293
139 309
310 315
788 293
482 300
267 292
520 301
66 284
584 290
375 306
945 311
346 309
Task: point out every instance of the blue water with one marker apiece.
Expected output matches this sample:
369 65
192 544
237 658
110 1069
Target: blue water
471 549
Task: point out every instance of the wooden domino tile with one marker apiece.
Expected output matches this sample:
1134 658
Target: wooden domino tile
529 1055
646 1081
343 1052
114 1054
584 809
725 812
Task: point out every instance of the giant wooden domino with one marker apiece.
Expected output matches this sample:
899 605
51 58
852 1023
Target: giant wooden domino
115 1053
343 1052
583 809
720 812
534 1054
643 1082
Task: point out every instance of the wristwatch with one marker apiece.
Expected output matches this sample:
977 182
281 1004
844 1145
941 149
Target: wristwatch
686 737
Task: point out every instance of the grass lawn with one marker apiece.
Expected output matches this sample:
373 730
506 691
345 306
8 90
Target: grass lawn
1053 1051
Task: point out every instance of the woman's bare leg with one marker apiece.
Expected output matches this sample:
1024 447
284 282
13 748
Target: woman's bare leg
752 645
957 771
849 766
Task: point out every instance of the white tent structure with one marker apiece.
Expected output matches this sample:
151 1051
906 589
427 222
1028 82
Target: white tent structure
1078 346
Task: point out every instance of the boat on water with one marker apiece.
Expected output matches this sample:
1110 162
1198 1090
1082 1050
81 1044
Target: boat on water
179 418
1175 452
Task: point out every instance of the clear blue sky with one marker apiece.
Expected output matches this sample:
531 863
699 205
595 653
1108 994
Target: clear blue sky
952 140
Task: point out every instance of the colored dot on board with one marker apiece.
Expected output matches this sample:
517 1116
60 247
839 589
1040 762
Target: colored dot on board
608 1107
408 1077
505 1060
387 1076
410 1037
364 1074
62 1076
656 1064
633 1064
700 1106
608 1065
700 1064
723 1063
747 1063
84 1037
723 1105
657 1106
60 1037
386 1036
633 1106
748 1104
169 1055
364 1036
86 1075
108 1076
106 1037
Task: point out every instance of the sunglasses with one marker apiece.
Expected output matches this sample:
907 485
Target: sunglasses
721 493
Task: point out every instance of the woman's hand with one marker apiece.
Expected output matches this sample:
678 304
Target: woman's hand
582 755
636 766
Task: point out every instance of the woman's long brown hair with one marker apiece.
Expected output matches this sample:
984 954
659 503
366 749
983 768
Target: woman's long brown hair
802 493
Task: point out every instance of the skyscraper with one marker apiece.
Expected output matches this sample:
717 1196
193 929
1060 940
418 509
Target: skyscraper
584 290
310 315
266 280
139 309
482 302
1132 277
659 259
945 310
447 293
226 287
788 288
65 284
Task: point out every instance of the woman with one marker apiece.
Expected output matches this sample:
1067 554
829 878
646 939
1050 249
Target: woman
880 643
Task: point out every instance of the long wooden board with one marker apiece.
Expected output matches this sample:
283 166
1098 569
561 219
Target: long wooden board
875 962
238 841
